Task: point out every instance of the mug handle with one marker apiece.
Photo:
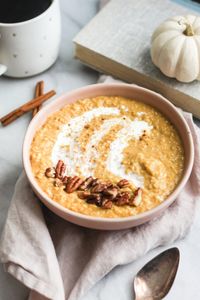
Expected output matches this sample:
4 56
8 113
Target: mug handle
3 69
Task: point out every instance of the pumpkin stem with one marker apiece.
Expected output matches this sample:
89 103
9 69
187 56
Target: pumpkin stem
189 30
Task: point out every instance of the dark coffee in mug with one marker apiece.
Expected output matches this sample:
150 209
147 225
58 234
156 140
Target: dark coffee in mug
15 11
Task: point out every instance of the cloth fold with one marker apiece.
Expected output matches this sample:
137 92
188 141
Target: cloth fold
59 260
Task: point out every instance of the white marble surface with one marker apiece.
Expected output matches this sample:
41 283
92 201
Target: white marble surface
65 75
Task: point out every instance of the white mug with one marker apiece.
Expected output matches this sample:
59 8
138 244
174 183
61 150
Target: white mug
30 47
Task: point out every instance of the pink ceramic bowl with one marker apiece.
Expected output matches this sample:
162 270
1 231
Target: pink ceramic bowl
124 90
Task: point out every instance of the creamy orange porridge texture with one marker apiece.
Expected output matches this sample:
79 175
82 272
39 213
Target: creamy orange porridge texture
110 138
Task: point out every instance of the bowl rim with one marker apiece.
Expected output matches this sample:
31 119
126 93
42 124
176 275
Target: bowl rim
168 201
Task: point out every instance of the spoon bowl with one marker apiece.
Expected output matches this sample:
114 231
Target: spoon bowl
155 279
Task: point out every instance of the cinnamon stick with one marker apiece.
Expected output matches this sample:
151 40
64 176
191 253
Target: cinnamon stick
39 90
30 105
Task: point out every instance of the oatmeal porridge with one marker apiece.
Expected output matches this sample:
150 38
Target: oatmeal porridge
107 157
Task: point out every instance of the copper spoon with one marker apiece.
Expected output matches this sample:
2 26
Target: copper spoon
155 279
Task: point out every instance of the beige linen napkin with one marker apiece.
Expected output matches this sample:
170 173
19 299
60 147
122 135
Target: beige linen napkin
58 260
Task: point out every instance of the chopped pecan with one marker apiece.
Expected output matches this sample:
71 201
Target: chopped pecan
73 184
58 182
86 184
111 185
63 168
91 201
122 183
83 194
107 203
122 199
98 202
95 182
95 196
94 190
111 192
60 169
65 179
50 173
136 199
98 188
95 199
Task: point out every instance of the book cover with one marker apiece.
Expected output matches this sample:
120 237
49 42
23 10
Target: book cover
117 42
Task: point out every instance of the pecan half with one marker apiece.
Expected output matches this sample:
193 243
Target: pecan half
111 185
95 182
65 179
50 173
91 201
98 188
86 184
111 192
58 182
136 199
95 199
98 202
83 194
122 183
107 203
60 169
73 184
122 199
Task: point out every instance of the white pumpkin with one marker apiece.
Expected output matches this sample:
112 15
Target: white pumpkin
175 48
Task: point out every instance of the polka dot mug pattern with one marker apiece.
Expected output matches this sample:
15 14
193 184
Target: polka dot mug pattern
30 47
